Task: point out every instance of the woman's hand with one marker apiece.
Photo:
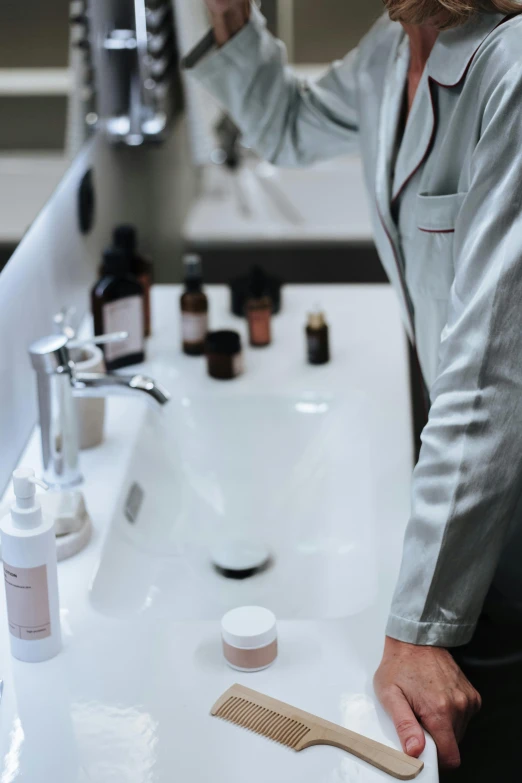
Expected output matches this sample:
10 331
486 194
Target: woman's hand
423 686
228 17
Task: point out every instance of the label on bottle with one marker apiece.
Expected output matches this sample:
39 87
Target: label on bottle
124 315
238 364
27 598
194 327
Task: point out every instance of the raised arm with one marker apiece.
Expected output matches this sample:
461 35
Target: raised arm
284 119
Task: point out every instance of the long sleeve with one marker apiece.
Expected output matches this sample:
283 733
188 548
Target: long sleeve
283 119
469 477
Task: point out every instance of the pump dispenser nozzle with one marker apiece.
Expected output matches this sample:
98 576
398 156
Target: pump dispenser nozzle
24 483
26 510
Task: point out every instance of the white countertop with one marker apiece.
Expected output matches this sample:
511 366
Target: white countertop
128 700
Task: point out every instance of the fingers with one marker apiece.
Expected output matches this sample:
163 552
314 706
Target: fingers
466 703
408 728
228 18
424 687
440 725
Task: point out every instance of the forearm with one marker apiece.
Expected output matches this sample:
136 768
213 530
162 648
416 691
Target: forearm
282 119
465 491
226 24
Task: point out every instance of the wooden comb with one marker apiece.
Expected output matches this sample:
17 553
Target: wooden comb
300 730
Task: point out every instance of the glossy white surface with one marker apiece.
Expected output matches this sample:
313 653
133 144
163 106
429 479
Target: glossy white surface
127 700
326 202
291 472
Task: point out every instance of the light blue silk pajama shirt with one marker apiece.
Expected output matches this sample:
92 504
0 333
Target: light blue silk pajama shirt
446 203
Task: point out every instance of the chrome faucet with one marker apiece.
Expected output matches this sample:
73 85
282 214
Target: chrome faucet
58 384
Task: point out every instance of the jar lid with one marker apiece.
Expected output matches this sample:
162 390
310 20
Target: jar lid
224 342
249 627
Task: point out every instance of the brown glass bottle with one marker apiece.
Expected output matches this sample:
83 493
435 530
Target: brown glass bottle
259 316
117 306
318 339
126 238
258 310
194 309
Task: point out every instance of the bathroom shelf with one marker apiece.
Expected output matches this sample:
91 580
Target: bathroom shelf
26 182
35 81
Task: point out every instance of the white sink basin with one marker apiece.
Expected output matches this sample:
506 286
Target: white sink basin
323 480
280 471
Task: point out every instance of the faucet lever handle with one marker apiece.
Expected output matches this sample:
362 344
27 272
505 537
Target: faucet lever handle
100 339
62 322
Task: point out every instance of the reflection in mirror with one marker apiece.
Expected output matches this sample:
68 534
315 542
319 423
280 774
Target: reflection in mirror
35 86
318 33
315 34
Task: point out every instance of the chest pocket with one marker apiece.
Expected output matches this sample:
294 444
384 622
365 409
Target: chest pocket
432 269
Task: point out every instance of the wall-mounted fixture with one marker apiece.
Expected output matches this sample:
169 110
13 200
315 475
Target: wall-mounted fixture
130 67
81 29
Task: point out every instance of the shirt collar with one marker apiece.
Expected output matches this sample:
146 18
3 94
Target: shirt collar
454 49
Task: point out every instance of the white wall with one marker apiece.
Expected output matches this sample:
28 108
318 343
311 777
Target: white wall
55 266
328 29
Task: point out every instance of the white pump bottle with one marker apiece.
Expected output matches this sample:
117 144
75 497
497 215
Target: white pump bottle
31 574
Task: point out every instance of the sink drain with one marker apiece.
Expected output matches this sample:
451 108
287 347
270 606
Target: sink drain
240 559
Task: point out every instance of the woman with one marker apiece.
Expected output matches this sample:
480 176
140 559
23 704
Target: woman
431 99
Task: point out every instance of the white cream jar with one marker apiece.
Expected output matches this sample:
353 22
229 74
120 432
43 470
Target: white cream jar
249 638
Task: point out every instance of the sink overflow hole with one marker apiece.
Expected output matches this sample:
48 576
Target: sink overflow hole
133 503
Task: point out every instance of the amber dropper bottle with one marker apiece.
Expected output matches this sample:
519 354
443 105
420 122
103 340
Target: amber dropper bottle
194 308
258 310
318 338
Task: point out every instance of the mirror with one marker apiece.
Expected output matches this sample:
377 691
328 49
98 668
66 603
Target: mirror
50 113
315 34
35 85
318 33
70 68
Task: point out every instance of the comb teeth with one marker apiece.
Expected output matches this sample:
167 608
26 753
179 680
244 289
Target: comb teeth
263 721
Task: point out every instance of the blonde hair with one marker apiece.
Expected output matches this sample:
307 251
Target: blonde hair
446 13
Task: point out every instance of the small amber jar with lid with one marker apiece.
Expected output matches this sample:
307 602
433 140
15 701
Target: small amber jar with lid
224 355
